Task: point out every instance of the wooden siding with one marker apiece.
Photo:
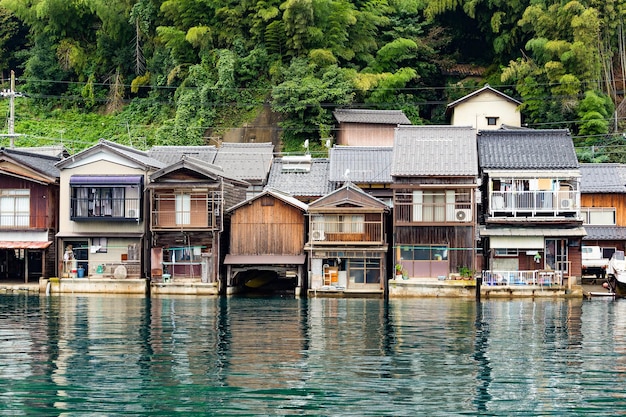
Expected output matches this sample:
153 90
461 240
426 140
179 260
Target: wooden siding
40 196
458 239
366 134
267 226
607 200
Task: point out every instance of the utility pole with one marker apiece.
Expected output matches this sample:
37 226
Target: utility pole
11 94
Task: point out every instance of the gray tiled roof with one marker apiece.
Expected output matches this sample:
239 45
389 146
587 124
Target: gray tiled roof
313 183
605 233
434 150
171 154
526 149
602 178
366 164
246 161
139 157
391 117
41 163
57 151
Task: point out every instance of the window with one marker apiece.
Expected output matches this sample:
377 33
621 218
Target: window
99 245
599 216
506 252
183 208
492 121
424 253
341 223
438 206
364 271
15 208
105 197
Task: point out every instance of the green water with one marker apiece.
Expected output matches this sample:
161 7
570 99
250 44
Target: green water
110 356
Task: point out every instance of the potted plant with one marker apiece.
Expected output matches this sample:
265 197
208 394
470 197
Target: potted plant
399 272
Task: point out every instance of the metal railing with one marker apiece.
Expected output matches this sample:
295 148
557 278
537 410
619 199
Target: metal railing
105 208
511 278
534 201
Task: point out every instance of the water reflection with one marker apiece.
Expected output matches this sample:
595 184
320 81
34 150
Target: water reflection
231 356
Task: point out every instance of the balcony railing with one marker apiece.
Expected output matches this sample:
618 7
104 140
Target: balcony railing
183 219
22 221
533 202
433 213
512 278
117 209
347 232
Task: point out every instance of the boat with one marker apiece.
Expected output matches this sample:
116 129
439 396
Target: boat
616 274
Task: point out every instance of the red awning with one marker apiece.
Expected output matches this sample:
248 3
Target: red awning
17 244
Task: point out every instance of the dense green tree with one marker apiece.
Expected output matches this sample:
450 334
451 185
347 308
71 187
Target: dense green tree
307 97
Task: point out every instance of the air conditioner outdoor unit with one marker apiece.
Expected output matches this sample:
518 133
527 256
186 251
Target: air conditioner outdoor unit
567 203
462 215
318 235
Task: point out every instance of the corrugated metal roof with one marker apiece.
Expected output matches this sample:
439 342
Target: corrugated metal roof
364 164
602 178
434 150
391 117
312 183
246 161
526 149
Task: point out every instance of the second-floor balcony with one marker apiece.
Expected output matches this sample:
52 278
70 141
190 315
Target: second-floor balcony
105 209
186 211
534 203
346 231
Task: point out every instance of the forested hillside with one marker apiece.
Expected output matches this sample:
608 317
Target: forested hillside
182 71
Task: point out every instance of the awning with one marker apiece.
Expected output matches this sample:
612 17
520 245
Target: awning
88 180
517 242
16 244
533 231
264 259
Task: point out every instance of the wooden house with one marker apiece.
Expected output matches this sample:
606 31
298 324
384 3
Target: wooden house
103 217
368 167
187 201
531 204
364 127
300 176
29 197
603 206
267 236
435 172
486 108
347 242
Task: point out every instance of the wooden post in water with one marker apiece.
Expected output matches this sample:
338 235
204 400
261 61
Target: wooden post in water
479 281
